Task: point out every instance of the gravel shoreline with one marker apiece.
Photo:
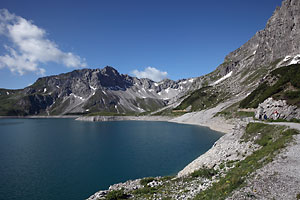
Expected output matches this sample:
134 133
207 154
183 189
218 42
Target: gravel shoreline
123 118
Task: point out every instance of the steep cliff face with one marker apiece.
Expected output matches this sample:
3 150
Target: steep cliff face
280 38
244 69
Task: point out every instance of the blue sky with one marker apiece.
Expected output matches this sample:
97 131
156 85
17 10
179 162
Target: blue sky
173 39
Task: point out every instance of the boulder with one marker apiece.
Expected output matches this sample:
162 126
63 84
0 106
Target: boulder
277 109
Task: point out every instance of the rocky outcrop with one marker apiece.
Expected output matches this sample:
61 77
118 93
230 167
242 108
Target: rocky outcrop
276 109
281 36
278 44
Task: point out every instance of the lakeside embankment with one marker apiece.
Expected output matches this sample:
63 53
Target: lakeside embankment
217 124
123 118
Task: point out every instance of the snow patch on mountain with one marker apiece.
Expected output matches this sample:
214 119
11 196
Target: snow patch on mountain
222 79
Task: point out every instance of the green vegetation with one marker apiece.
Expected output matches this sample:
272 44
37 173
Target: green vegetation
148 191
204 172
259 73
229 112
234 112
284 120
203 98
116 194
149 104
272 139
9 105
147 180
287 87
245 114
255 76
263 133
170 112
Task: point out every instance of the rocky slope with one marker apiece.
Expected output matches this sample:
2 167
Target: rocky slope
244 69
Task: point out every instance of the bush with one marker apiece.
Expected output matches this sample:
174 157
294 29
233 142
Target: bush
116 195
204 172
147 180
146 191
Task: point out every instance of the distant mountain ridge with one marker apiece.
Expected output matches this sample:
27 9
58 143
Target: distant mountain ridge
91 90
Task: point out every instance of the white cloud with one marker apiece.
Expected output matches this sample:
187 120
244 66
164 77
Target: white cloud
30 47
151 73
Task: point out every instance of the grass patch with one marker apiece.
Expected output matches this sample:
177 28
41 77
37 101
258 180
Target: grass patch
236 176
284 120
204 173
232 112
203 98
170 112
245 114
262 134
116 194
147 180
146 191
255 76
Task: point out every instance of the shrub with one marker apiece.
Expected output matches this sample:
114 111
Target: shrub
145 191
116 195
147 180
204 172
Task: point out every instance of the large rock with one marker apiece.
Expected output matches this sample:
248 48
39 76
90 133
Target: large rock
277 109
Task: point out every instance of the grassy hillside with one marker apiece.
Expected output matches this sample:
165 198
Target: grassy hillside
203 98
282 83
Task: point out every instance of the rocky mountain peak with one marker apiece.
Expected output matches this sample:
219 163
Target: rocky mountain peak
278 44
281 36
110 71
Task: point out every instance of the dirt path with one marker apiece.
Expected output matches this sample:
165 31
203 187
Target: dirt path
279 179
289 124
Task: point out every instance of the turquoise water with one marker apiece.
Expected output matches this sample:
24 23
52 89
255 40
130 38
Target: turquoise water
57 159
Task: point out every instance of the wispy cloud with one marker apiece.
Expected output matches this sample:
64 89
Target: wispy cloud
151 73
29 46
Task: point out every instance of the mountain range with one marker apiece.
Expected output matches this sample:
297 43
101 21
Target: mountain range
106 92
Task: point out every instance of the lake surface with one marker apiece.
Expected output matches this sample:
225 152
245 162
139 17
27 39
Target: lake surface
57 159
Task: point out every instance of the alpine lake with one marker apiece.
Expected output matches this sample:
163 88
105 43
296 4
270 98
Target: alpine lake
66 159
